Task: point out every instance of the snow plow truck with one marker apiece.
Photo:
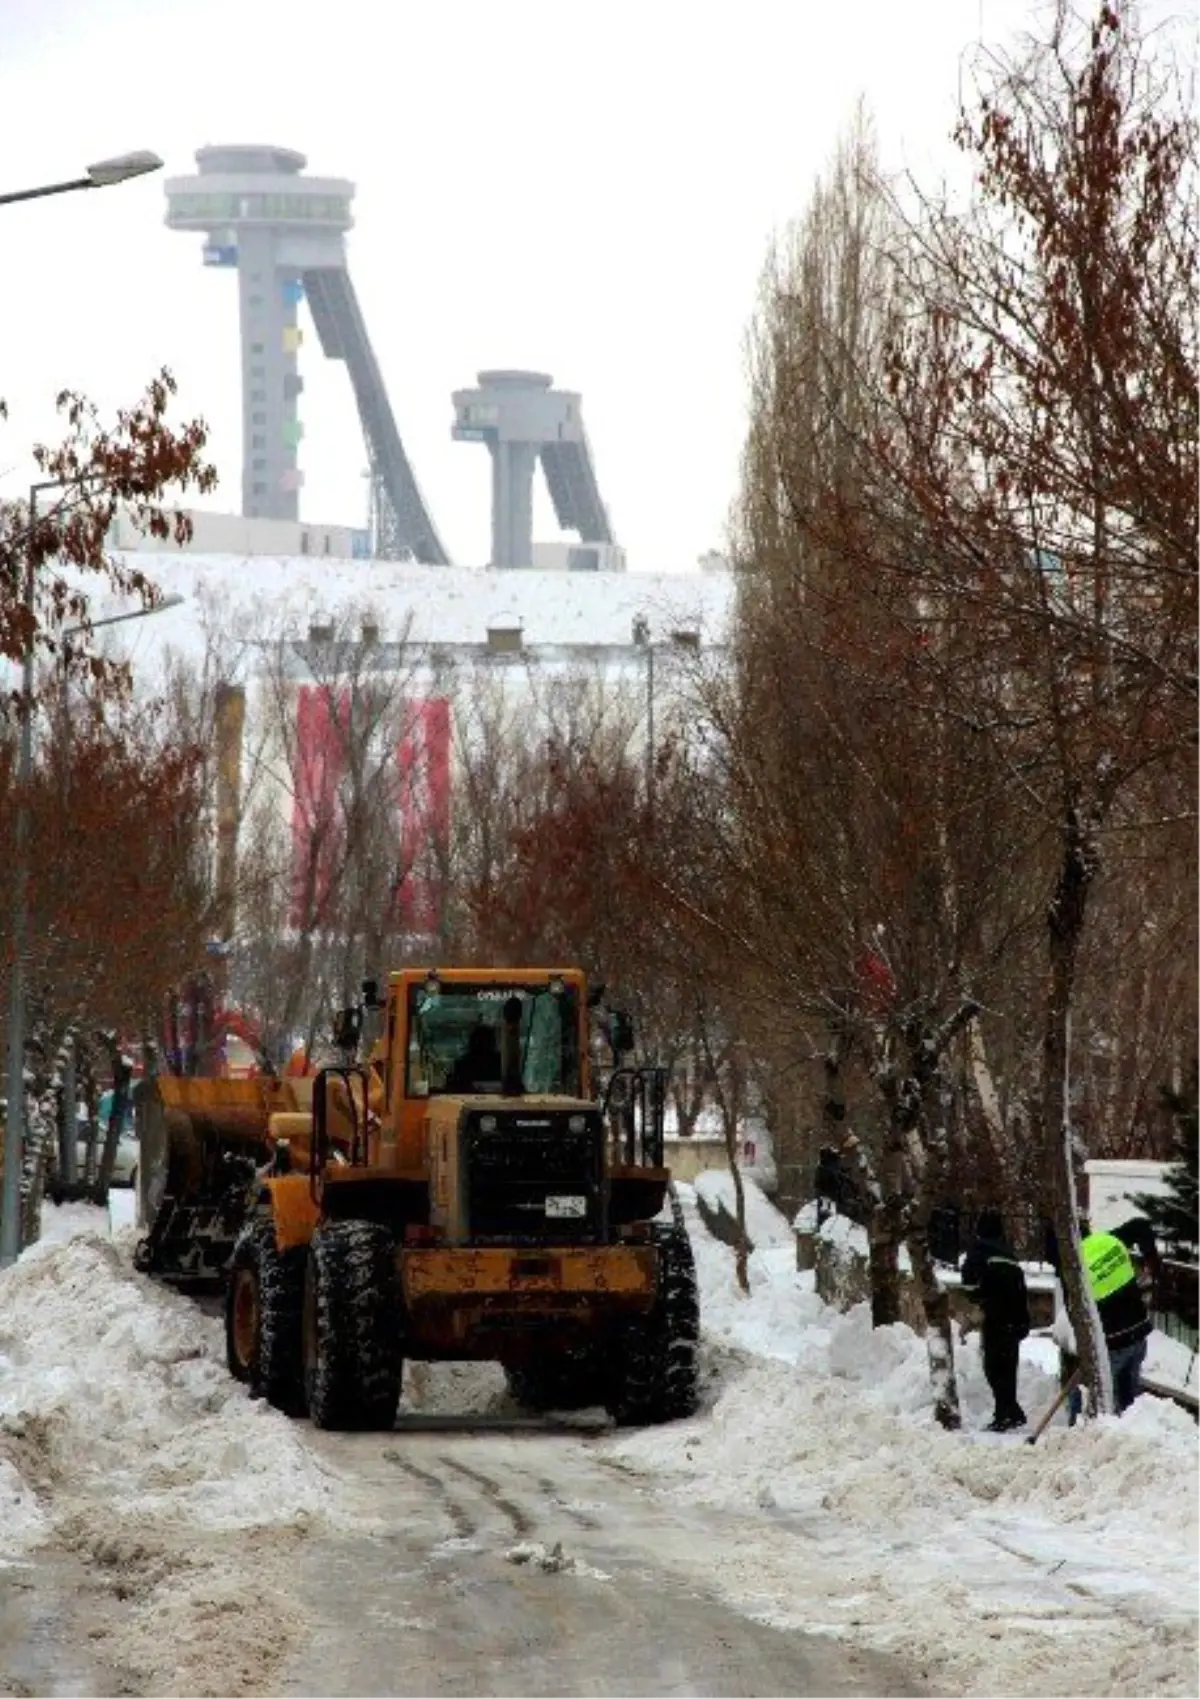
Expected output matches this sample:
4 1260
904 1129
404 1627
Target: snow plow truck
456 1193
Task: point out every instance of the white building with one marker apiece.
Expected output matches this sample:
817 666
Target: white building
294 623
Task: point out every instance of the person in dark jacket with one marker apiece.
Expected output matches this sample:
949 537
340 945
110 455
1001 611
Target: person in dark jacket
1112 1276
995 1281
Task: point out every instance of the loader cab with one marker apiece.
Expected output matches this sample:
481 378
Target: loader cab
521 1038
485 1032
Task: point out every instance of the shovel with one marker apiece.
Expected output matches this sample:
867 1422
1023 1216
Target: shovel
1064 1392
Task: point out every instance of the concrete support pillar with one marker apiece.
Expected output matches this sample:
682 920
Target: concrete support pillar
269 387
513 466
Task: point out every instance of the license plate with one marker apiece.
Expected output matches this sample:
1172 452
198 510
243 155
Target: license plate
560 1209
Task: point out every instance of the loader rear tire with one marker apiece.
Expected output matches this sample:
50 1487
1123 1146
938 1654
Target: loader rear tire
351 1332
567 1380
263 1308
656 1373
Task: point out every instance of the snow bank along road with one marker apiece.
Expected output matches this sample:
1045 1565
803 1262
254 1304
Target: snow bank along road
810 1532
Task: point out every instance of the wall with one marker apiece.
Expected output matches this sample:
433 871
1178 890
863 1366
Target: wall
233 534
696 1155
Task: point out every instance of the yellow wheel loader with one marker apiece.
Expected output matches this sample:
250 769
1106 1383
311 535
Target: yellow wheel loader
459 1194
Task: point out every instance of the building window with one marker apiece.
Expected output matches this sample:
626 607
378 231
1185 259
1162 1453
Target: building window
260 489
258 465
258 418
258 441
258 395
304 542
256 300
257 348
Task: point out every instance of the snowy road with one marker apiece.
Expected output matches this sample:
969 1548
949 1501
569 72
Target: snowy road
810 1531
482 1562
522 1564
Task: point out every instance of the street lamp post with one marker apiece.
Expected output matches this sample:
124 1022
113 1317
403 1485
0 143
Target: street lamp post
14 1120
643 640
102 175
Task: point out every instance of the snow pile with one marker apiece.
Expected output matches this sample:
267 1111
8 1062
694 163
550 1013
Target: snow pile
22 1521
125 1443
112 1386
988 1565
784 1309
454 1389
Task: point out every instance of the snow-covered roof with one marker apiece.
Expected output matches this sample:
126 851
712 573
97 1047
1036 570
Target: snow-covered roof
431 605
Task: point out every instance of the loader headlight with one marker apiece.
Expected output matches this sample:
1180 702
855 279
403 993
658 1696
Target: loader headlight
487 1123
577 1124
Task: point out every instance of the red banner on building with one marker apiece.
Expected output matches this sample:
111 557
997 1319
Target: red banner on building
318 824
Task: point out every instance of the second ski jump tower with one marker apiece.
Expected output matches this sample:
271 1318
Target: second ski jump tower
284 233
521 418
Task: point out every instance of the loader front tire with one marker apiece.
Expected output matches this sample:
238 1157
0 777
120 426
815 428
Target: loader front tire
656 1371
351 1331
263 1308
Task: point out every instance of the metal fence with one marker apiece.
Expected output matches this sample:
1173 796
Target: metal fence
1175 1301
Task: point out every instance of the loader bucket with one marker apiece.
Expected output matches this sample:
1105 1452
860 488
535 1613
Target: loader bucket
185 1126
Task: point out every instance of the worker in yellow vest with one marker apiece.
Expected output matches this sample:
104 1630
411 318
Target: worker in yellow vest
1112 1276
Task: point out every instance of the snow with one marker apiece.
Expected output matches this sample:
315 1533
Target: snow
107 1377
1170 1362
764 1224
988 1565
442 605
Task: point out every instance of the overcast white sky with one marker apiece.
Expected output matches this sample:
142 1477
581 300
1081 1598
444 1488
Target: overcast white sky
586 187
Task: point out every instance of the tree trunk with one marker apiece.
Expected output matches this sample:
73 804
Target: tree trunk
729 1105
927 1146
741 1249
39 1131
883 1235
886 1233
122 1073
883 1246
939 1335
1065 918
41 1126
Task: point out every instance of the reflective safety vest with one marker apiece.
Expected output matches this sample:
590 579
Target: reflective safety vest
1108 1263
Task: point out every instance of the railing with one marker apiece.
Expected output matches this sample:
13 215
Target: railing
321 1142
1174 1301
635 1101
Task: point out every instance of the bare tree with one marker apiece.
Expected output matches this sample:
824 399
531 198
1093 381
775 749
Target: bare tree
1036 466
335 847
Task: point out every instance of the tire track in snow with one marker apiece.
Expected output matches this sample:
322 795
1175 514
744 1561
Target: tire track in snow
521 1521
465 1528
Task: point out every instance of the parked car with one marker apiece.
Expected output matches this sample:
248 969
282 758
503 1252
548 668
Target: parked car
125 1163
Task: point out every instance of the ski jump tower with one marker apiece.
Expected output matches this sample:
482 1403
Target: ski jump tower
521 419
285 235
